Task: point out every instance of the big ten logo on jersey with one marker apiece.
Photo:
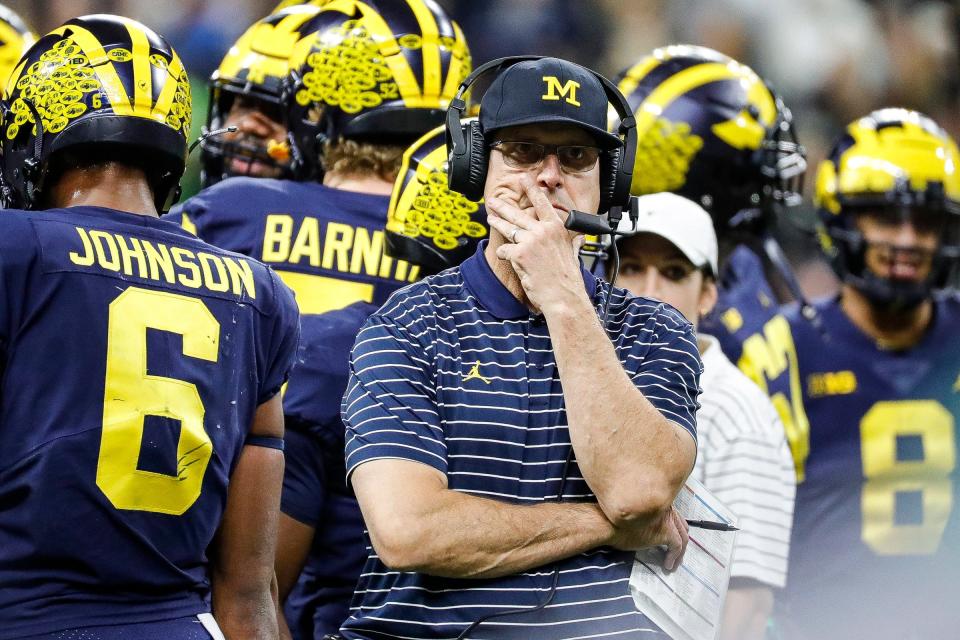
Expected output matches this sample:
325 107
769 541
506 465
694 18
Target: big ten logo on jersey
908 451
769 358
356 252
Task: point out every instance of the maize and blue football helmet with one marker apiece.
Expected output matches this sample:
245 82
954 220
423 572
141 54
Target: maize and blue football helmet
712 130
252 71
380 70
428 224
96 82
901 165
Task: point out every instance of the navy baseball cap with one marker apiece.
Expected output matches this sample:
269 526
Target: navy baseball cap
547 90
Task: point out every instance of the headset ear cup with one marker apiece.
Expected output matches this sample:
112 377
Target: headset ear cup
467 173
609 175
458 169
478 157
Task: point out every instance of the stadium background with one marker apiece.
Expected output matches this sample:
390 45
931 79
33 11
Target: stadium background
832 60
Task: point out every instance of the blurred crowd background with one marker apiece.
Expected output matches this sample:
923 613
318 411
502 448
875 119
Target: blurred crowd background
831 60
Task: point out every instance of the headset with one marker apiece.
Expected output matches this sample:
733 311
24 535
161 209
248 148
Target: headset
469 154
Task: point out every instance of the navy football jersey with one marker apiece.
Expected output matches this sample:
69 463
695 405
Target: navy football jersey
326 244
756 337
133 359
312 397
315 490
876 535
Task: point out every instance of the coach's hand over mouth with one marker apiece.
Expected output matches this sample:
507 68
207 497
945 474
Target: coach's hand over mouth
541 250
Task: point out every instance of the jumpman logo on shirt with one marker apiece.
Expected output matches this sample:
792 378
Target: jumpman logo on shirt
475 373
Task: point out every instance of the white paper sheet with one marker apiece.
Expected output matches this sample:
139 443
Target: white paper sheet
688 603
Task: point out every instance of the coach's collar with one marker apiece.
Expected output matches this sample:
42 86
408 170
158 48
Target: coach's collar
496 298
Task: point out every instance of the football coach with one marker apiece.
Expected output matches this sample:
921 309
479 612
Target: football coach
509 445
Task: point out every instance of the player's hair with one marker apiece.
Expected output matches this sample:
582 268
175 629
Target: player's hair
361 158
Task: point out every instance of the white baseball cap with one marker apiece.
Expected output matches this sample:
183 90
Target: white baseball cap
683 222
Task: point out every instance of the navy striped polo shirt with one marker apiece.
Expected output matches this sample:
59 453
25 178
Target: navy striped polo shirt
454 372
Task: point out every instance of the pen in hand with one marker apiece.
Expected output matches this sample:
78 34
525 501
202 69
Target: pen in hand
714 526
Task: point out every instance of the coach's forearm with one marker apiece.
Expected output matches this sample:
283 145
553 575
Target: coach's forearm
633 458
463 536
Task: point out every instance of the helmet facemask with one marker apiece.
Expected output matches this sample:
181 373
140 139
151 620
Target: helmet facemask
853 252
227 154
252 72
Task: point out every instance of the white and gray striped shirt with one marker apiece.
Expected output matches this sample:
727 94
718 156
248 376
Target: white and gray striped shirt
744 460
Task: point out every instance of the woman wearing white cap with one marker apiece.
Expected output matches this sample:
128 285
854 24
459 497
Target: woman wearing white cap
743 455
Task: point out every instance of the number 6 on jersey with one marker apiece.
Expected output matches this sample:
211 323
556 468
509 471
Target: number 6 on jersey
130 394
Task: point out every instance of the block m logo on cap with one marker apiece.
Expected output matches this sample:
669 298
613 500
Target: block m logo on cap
555 90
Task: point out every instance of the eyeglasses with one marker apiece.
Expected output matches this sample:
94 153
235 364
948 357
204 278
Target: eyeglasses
529 155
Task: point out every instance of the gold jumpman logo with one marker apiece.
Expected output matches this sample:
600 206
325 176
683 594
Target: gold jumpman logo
475 373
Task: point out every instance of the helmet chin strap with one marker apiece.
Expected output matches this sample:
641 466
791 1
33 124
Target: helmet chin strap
890 296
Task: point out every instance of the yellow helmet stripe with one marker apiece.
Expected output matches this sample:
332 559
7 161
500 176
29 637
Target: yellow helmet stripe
142 77
402 73
674 87
101 65
431 47
433 159
455 72
169 90
635 74
759 94
401 193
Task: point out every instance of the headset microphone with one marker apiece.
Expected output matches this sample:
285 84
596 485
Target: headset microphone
602 226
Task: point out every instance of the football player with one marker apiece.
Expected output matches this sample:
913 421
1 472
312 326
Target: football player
875 550
141 427
245 93
711 130
369 79
15 38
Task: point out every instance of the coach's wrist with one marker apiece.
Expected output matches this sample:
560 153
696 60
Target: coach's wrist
567 305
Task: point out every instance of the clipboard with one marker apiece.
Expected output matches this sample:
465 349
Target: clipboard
688 603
